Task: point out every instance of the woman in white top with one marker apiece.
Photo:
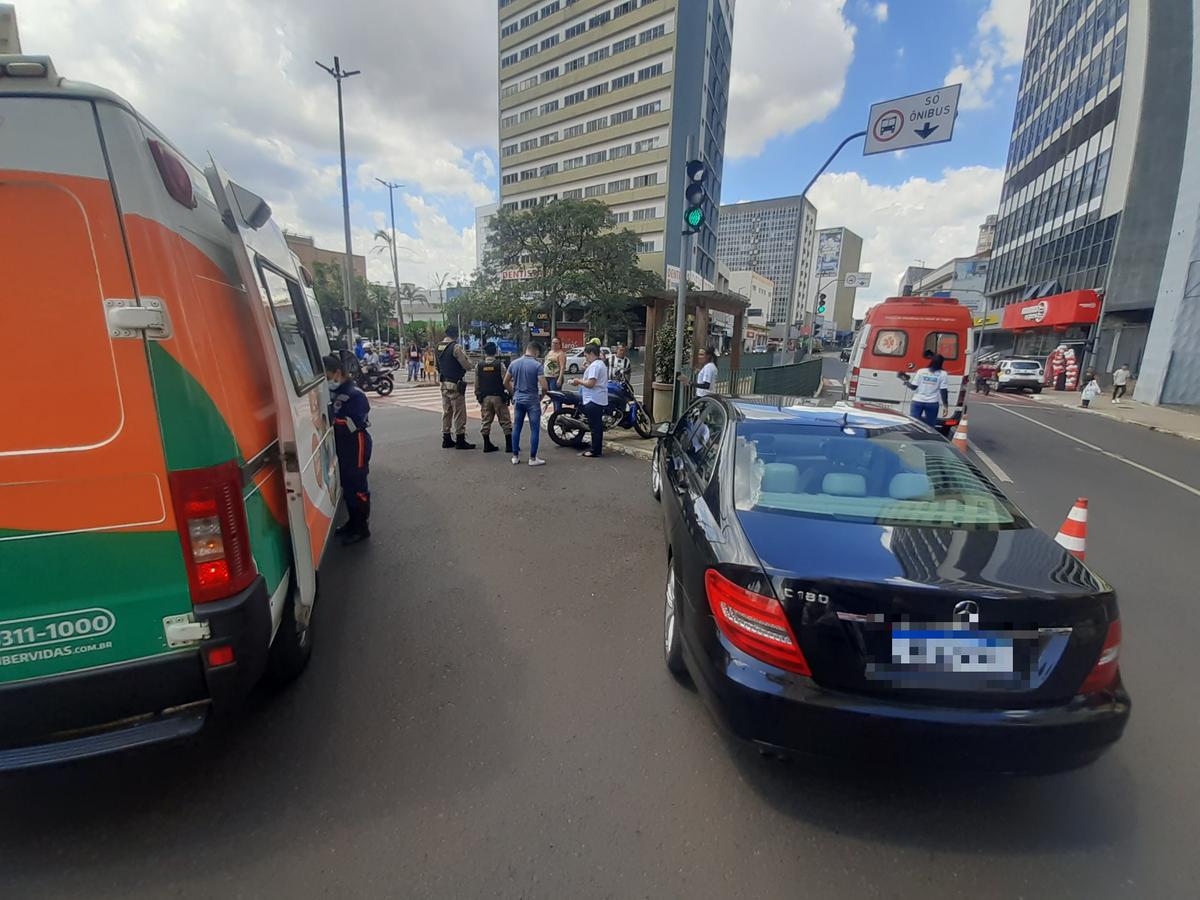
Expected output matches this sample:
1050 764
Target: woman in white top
707 376
930 391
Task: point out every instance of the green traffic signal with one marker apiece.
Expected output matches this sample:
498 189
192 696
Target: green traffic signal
821 308
694 218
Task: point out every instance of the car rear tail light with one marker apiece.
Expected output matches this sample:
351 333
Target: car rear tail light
1104 673
854 381
220 656
211 518
754 623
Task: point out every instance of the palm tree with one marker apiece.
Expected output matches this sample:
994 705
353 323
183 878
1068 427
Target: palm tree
410 294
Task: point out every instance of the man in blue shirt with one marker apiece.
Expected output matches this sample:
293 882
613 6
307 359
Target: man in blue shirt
526 381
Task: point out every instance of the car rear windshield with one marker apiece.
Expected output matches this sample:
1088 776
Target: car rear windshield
1023 366
896 476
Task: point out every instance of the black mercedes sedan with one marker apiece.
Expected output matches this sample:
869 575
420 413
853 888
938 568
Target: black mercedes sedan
842 581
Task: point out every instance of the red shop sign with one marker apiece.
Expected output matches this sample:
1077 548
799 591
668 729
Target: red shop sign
1058 311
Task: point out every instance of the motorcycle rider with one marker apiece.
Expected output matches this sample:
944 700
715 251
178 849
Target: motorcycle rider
452 366
349 410
491 376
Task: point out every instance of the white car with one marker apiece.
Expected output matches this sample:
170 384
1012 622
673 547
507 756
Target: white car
1019 375
577 361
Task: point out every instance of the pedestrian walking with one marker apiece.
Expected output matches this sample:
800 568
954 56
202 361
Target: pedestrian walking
491 391
526 381
593 389
620 365
1120 380
452 366
707 376
931 391
1091 391
349 410
414 362
555 365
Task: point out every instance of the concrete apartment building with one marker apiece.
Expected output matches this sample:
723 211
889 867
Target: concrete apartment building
483 218
306 248
774 238
839 252
760 291
598 99
1093 189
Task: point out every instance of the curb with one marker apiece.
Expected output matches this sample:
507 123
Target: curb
1108 415
627 450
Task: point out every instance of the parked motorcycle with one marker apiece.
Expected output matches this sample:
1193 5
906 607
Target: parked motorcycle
371 378
568 426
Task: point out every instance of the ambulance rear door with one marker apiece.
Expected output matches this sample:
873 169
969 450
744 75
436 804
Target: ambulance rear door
293 341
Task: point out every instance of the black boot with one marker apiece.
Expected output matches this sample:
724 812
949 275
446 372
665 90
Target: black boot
488 446
447 441
359 530
345 528
508 443
461 443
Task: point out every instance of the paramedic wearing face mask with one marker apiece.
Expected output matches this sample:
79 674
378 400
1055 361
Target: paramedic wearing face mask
349 410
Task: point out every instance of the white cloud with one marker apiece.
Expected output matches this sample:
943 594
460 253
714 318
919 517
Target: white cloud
238 80
790 59
880 12
999 42
918 219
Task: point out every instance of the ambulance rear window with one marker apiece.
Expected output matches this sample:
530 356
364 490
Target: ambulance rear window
943 342
890 342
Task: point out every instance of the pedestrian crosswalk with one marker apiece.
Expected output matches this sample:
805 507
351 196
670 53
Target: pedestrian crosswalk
427 399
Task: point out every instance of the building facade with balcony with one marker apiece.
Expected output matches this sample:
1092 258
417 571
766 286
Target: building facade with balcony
598 99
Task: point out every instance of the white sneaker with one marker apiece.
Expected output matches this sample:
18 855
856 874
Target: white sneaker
537 461
516 460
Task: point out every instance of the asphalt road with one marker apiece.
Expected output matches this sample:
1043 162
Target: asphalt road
487 714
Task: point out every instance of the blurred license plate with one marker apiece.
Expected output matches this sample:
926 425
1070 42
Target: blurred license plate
952 651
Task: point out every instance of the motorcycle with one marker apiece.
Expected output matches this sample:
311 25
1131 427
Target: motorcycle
568 426
371 378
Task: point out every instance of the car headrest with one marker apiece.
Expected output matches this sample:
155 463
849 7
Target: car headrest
780 478
844 484
910 486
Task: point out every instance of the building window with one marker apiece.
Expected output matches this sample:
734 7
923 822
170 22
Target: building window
618 152
549 169
529 51
508 121
646 247
642 181
625 115
509 30
576 30
527 83
573 163
510 150
597 89
578 63
529 144
649 109
622 81
651 33
549 42
597 124
549 9
596 55
641 215
529 204
510 178
645 146
598 157
627 6
549 107
528 174
650 72
573 194
529 114
620 218
572 99
622 46
507 61
528 20
508 90
621 184
573 131
551 138
598 20
510 206
595 190
550 74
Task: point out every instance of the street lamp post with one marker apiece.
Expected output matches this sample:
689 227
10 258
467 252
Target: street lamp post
391 186
338 74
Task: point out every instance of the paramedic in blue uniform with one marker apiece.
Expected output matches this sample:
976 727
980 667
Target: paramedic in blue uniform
349 410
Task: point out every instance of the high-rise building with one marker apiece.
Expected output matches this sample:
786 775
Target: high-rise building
306 249
1093 175
775 239
839 252
483 219
598 98
987 236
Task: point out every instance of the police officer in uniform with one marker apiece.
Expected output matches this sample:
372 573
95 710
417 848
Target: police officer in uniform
349 410
452 365
492 397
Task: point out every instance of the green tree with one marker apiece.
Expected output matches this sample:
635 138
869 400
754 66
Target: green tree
327 286
664 348
612 279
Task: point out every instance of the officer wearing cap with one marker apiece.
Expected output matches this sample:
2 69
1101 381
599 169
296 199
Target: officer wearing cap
452 365
492 397
349 410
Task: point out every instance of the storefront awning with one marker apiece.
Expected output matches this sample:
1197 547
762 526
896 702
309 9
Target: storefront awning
1057 311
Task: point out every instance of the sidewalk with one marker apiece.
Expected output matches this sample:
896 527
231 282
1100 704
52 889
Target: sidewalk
1180 421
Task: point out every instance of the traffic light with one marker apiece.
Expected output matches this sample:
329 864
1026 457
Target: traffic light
821 305
693 194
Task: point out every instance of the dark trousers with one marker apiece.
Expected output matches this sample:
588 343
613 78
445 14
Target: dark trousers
353 466
926 412
595 416
1118 391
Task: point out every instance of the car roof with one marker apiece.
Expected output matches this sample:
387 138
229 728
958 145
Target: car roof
801 411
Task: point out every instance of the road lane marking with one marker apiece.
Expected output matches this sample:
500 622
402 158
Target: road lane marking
1117 456
990 463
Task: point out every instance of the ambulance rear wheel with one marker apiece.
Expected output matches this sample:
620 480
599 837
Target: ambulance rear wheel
292 646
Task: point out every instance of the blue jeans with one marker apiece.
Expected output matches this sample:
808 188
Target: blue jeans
534 412
552 385
926 412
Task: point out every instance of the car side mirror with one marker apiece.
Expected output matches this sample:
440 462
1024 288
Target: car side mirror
661 430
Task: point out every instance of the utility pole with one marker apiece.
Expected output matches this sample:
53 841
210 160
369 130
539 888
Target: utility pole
687 244
347 269
391 186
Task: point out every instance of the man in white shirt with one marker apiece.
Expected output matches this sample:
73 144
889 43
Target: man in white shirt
593 389
930 391
707 376
1120 380
619 365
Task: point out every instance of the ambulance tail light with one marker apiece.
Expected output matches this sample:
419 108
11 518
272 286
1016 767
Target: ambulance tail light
853 387
211 518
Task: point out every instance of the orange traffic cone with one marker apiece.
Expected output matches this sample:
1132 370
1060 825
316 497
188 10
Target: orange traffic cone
1073 534
960 436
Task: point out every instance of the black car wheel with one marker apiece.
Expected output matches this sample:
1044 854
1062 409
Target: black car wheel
672 643
563 434
655 477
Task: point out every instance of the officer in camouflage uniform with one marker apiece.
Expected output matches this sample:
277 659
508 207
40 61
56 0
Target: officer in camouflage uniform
492 397
452 366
